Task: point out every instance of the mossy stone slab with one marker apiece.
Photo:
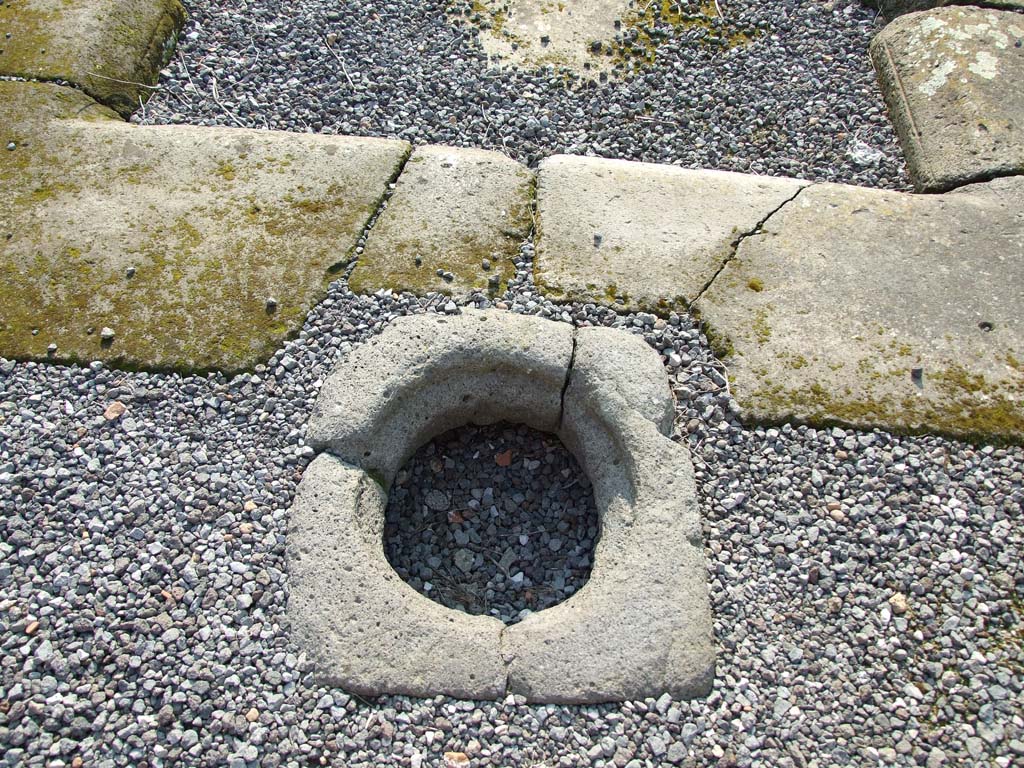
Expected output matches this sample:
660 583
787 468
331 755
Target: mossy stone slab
642 236
174 237
874 308
452 209
952 80
593 37
112 49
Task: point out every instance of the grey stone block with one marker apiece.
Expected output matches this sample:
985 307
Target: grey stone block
642 623
642 236
910 320
427 374
112 49
951 78
452 210
890 9
640 627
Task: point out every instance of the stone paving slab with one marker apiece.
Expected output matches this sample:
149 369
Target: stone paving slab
592 37
533 33
642 236
112 49
175 238
951 78
874 308
452 210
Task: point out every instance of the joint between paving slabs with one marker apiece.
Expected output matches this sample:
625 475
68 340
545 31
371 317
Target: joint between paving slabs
735 245
568 376
348 263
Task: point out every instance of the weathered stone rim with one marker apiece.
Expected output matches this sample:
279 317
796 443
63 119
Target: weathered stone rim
643 489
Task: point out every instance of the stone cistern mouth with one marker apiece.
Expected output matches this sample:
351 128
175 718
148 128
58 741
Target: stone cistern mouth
641 626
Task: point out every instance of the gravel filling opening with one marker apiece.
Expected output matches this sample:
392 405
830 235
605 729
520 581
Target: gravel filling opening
497 520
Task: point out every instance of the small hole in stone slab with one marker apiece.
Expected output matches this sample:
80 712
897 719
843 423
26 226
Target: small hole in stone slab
986 326
497 520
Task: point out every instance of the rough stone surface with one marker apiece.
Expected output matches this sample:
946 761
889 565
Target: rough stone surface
950 77
893 8
532 33
112 49
427 374
364 628
452 211
909 321
641 626
199 248
597 38
641 236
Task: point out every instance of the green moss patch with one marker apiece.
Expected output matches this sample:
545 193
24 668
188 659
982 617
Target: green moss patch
649 25
968 406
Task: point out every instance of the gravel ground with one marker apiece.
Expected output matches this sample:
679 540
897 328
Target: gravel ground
498 520
866 588
800 100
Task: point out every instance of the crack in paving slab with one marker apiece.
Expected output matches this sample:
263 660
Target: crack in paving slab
739 240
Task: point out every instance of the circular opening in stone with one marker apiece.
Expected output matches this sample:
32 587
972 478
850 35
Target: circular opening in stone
497 520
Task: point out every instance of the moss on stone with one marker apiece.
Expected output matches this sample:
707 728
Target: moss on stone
189 305
760 326
646 27
969 405
721 345
226 170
